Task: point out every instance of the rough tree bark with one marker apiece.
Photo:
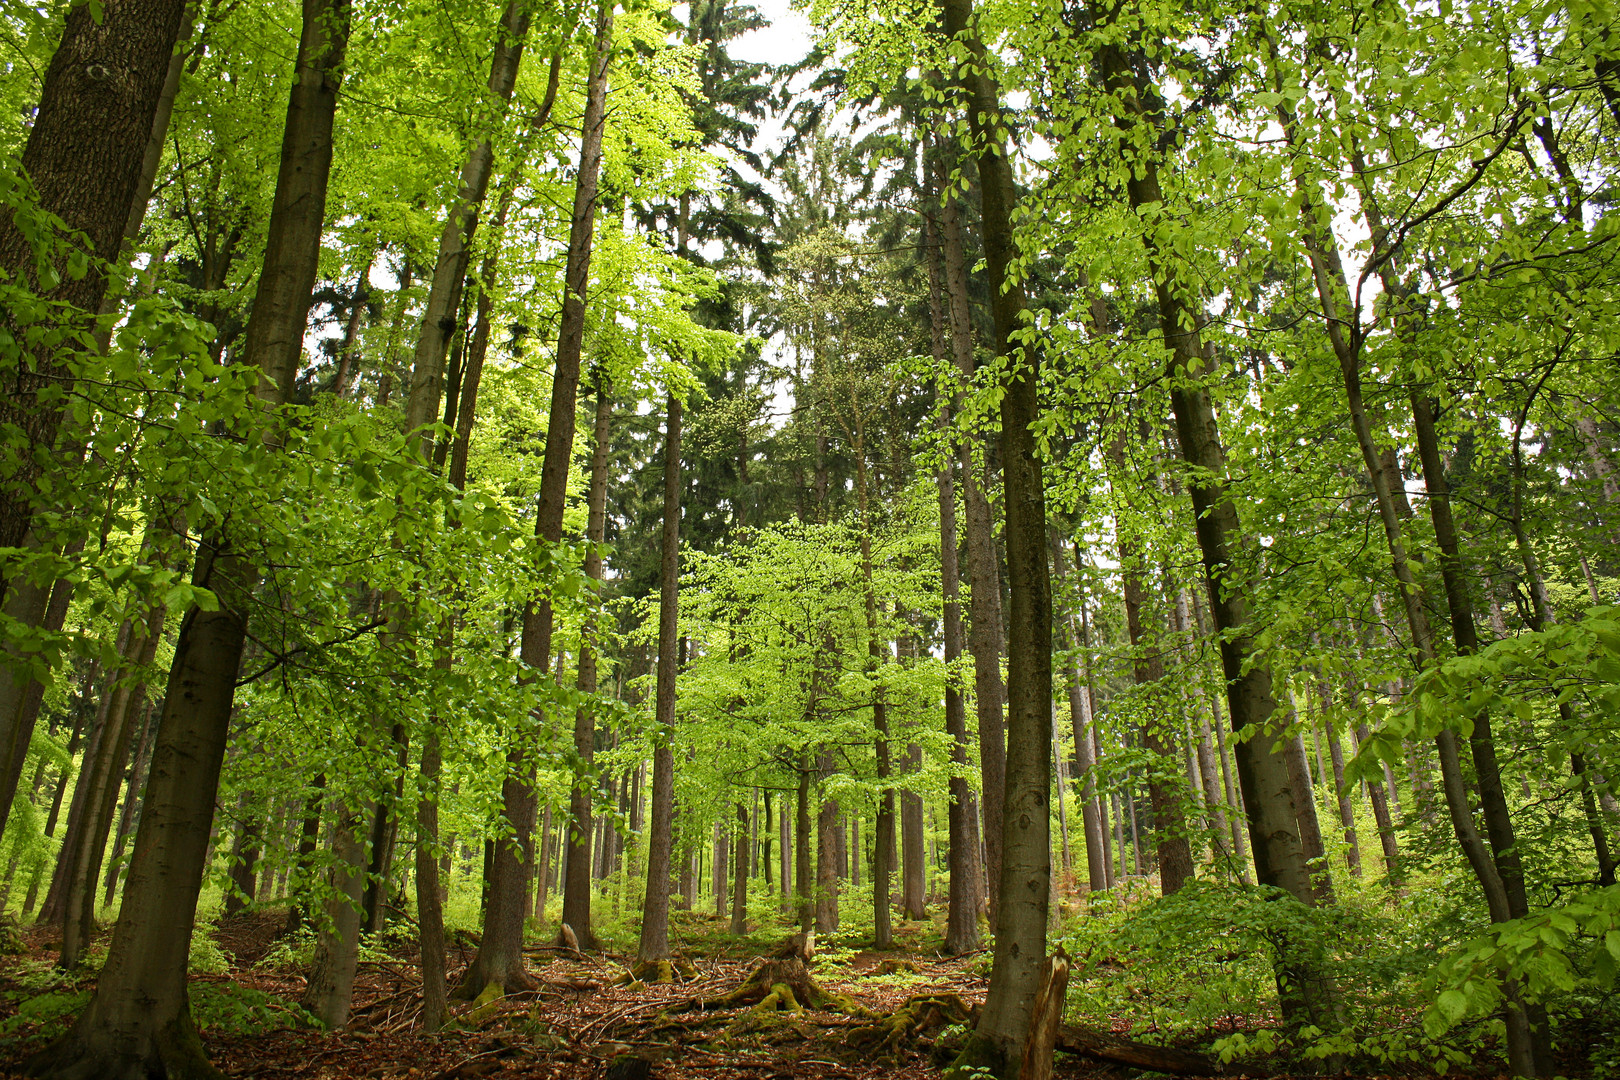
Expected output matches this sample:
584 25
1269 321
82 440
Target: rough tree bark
85 154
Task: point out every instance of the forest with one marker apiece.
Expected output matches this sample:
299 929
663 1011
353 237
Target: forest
921 538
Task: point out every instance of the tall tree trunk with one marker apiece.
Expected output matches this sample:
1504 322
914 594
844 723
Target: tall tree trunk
576 913
138 1022
429 898
500 952
654 942
1147 668
804 878
1082 713
126 816
55 907
913 886
1026 853
1306 992
984 585
739 888
962 904
826 855
82 181
877 654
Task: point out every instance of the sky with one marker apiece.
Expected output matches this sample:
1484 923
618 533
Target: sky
786 40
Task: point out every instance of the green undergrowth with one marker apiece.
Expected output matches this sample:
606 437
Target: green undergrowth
1419 983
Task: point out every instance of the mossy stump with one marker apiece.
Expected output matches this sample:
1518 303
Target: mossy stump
921 1017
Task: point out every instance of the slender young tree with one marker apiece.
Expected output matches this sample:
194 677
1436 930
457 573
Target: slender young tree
653 945
500 953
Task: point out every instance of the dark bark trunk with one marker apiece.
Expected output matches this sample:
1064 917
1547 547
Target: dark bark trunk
308 841
1024 886
1306 992
1147 668
576 911
984 578
439 322
500 952
126 817
244 863
100 96
1310 826
654 942
913 886
739 887
105 775
1079 679
55 907
330 988
429 898
962 904
804 888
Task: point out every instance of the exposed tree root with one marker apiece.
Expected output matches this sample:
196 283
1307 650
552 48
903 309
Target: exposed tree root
770 979
921 1017
659 972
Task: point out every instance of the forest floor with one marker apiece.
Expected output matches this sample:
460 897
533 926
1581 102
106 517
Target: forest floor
578 1020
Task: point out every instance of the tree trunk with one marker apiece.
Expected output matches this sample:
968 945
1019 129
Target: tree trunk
429 898
101 802
81 182
1310 826
962 904
1026 852
654 942
576 913
439 323
138 1022
500 952
55 907
330 989
1347 812
826 857
1306 991
984 585
126 817
244 861
86 147
308 841
1147 667
739 888
804 888
913 886
1080 718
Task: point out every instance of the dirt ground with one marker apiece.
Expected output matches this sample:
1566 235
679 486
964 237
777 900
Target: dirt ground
580 1019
